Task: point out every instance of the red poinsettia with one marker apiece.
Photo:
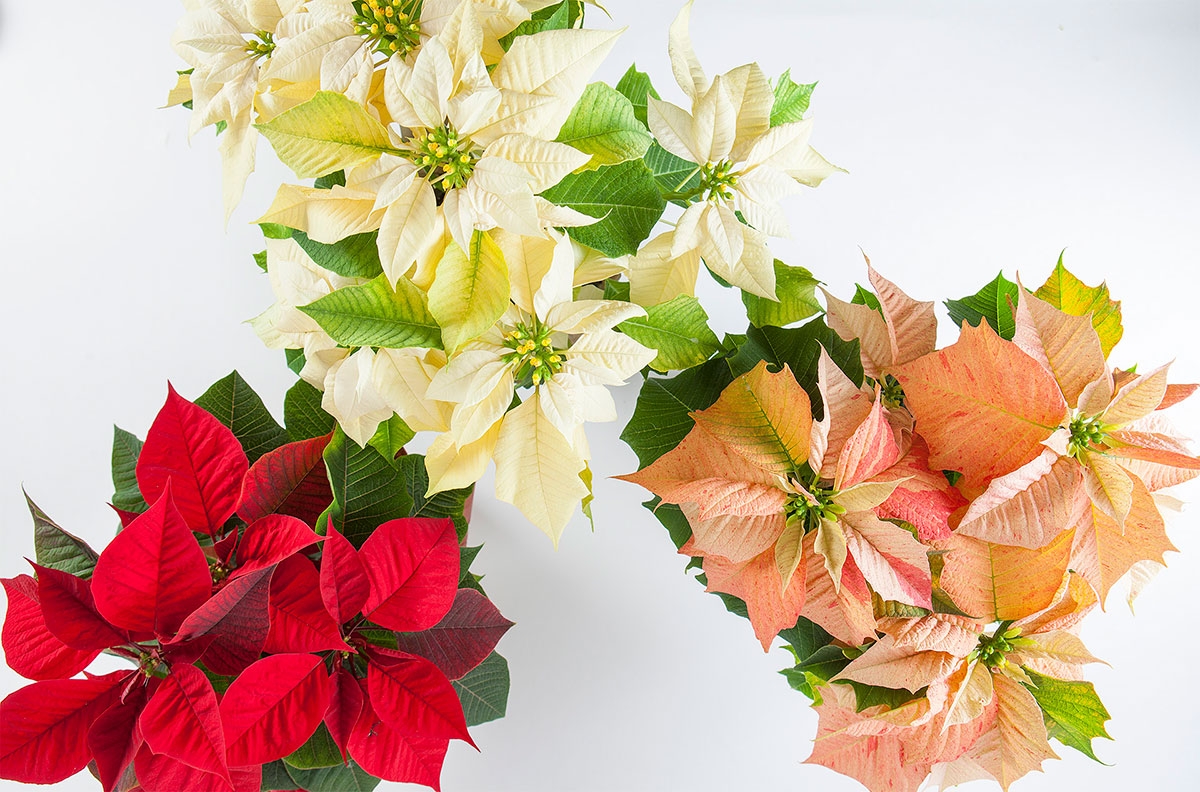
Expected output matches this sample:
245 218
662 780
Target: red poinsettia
217 579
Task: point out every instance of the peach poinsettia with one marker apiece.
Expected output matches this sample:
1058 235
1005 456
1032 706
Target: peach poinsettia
785 511
985 691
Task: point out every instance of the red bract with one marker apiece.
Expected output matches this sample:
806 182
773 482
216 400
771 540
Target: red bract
183 608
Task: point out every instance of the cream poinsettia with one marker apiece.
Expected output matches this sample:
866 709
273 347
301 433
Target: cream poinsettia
342 44
228 44
745 165
567 353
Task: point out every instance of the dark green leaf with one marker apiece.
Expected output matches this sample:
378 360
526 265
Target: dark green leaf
341 778
355 256
623 197
796 289
234 403
798 680
367 489
295 360
1073 712
554 17
866 696
330 180
303 415
672 518
415 480
636 87
805 639
825 663
616 290
275 778
791 100
484 690
125 451
58 549
318 751
733 604
660 420
990 303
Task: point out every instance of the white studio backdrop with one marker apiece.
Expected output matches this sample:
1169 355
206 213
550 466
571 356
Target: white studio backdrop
979 136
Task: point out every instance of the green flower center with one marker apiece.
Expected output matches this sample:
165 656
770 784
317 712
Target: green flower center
533 354
893 394
811 513
444 157
717 181
394 25
992 649
1086 432
262 45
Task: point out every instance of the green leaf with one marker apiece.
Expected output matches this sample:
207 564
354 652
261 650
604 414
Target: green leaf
798 680
377 315
678 330
672 518
302 413
275 778
234 403
484 690
796 289
866 297
990 303
604 124
791 100
330 180
391 436
555 17
341 778
327 133
275 231
356 256
637 88
58 549
1073 712
800 348
733 604
470 291
367 489
616 290
660 420
866 696
318 751
624 197
825 663
415 480
1070 295
260 259
295 360
673 175
805 639
125 451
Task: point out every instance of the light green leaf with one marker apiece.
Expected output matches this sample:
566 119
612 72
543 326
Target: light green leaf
484 690
367 489
1072 296
125 451
673 175
796 289
624 197
1073 712
470 290
791 100
275 230
391 436
234 403
554 17
377 315
58 549
327 133
636 87
260 258
678 330
356 256
603 123
303 415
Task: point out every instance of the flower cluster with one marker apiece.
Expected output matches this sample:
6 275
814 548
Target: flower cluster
260 647
925 528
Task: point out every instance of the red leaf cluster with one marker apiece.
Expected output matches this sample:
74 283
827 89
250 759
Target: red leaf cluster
189 592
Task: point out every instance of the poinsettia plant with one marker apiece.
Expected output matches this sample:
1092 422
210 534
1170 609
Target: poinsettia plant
924 528
263 650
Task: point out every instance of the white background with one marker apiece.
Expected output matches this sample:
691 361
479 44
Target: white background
978 136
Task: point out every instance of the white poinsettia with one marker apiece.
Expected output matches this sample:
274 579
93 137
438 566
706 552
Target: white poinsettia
342 43
228 44
567 353
745 165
